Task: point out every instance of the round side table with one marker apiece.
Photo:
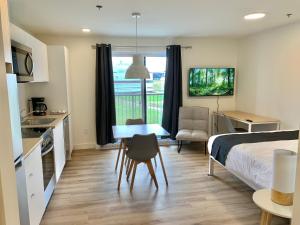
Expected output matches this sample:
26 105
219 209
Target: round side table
262 199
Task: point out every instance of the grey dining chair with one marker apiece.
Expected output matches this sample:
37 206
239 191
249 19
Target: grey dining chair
124 142
142 149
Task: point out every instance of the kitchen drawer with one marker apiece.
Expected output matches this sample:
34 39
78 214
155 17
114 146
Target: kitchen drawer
35 186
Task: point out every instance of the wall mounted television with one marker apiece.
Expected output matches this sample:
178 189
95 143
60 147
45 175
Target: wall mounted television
211 81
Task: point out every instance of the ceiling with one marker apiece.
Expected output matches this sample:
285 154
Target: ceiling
160 18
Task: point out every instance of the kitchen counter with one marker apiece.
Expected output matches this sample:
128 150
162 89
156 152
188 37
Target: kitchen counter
29 144
58 118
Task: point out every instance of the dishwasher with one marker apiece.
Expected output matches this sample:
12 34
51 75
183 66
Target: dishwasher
67 138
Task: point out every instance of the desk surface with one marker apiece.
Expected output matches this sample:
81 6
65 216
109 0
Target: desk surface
128 131
243 116
262 199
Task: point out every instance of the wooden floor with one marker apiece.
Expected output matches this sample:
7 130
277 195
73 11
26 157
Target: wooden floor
87 193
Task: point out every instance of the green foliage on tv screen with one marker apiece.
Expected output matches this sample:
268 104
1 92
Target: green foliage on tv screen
211 81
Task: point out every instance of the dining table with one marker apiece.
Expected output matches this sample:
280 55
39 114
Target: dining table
128 131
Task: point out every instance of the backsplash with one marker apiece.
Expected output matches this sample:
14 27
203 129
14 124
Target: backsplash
23 89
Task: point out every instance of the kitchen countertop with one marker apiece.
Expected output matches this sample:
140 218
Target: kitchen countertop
58 118
29 144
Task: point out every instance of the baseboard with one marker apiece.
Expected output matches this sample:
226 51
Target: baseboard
84 146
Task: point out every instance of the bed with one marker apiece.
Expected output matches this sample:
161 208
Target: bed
249 155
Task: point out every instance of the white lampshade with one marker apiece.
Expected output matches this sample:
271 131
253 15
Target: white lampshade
284 176
284 170
137 69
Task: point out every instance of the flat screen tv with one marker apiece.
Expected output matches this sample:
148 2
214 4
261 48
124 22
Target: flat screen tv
211 81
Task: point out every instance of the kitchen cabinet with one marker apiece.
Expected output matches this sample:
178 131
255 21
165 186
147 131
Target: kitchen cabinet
57 92
39 52
35 186
59 149
5 32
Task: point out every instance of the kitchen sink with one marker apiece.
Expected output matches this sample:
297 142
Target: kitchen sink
36 122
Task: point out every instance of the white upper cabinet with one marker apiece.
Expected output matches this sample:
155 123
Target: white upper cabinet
5 30
39 52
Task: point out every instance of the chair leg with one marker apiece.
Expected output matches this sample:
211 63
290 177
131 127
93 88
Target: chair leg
121 169
155 162
163 167
130 169
128 165
120 149
179 146
133 174
151 171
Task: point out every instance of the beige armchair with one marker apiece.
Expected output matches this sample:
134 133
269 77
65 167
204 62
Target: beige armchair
192 125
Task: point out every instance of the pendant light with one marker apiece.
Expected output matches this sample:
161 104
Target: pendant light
137 69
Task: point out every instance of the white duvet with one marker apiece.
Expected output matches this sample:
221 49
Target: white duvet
253 162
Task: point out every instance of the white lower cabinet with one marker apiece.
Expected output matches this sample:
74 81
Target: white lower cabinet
59 149
35 186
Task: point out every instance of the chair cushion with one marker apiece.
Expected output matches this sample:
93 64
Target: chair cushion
191 135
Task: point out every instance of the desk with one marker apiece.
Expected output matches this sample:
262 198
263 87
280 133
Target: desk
262 199
128 131
247 118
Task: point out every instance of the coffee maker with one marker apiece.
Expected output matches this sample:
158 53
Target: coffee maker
39 108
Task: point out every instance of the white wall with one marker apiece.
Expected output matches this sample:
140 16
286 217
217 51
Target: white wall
269 74
208 52
205 52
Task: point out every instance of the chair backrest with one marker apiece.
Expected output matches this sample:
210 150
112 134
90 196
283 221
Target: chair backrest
193 118
134 121
143 147
228 124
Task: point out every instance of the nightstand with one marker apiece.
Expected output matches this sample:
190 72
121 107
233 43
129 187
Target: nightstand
262 199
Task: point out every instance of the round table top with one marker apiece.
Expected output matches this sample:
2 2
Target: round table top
262 199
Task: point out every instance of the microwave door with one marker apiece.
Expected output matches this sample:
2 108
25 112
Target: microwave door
22 63
29 64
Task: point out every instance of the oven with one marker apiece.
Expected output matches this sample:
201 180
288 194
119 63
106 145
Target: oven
48 164
22 62
47 154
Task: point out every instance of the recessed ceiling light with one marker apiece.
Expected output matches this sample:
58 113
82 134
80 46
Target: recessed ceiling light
86 30
254 16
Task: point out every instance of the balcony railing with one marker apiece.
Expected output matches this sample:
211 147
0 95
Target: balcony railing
129 106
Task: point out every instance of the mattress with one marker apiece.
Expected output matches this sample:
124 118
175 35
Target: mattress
252 162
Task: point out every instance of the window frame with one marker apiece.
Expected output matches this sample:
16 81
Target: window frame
143 81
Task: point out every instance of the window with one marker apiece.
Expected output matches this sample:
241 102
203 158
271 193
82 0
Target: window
137 98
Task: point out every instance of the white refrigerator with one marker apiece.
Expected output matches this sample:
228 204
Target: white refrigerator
17 147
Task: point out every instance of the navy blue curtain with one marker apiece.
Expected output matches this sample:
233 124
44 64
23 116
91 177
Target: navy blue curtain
173 90
105 96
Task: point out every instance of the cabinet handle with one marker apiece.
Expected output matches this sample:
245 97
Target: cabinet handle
32 195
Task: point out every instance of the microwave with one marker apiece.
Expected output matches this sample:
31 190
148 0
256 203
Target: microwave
22 62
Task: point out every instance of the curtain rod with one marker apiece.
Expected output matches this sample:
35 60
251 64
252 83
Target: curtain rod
143 46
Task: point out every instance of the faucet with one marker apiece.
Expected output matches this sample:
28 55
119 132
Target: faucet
23 114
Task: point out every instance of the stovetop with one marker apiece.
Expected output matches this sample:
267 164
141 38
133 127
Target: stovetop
33 132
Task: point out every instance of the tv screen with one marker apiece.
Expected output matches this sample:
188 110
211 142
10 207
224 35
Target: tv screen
211 81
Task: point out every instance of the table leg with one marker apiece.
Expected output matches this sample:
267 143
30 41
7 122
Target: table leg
266 218
263 218
249 128
121 169
278 126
